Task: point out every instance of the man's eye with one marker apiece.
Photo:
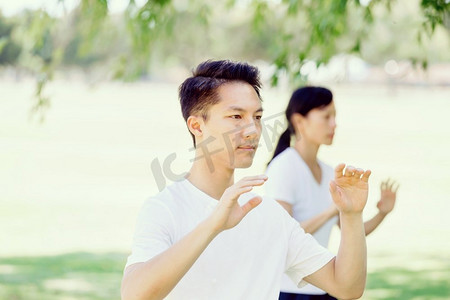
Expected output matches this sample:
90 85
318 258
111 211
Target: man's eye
235 117
258 117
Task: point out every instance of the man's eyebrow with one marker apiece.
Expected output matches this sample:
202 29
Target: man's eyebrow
237 108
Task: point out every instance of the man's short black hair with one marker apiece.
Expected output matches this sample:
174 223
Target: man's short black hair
199 92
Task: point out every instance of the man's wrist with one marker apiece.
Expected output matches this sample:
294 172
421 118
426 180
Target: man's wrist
351 216
211 228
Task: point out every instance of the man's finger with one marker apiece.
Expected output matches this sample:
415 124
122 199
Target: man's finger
349 171
334 191
251 204
338 170
396 187
366 175
358 173
253 182
241 190
256 177
234 194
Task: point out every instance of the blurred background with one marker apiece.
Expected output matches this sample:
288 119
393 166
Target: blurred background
90 125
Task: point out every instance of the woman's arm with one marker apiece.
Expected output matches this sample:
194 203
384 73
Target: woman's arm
313 224
385 205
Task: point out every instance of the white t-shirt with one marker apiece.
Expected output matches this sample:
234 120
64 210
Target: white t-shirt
291 180
245 262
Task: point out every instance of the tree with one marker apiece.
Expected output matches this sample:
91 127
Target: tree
293 32
9 50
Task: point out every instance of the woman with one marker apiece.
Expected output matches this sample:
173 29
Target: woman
299 181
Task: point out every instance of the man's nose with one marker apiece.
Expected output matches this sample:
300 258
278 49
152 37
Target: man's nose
250 129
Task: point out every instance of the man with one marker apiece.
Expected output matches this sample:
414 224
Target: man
206 237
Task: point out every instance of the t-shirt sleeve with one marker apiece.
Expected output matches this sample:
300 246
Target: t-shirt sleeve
281 183
305 255
153 233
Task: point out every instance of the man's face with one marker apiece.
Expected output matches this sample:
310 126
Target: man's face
233 128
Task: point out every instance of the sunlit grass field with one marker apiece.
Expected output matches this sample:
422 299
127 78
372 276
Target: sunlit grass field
71 187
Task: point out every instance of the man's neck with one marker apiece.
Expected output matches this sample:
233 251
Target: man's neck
213 183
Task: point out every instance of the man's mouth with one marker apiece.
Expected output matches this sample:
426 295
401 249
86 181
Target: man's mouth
247 147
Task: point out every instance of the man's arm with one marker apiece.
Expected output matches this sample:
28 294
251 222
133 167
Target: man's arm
345 276
155 278
313 224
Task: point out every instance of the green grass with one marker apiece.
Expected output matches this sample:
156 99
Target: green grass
405 282
68 276
97 276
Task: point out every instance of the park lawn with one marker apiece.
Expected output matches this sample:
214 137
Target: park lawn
66 276
98 276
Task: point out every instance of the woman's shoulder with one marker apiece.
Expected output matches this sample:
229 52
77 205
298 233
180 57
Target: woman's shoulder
287 157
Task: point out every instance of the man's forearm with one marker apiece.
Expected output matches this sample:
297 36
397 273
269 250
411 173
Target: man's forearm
155 278
351 261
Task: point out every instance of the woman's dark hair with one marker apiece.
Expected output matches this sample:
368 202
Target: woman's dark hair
302 101
199 92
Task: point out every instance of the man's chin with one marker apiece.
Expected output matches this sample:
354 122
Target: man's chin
243 164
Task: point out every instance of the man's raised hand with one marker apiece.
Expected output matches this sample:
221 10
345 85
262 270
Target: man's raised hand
228 212
349 189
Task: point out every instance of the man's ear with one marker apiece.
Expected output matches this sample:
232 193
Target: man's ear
195 124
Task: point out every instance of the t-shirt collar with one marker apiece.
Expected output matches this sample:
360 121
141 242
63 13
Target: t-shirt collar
202 196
